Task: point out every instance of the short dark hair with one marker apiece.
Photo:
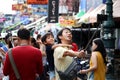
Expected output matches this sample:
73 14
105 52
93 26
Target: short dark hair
60 34
44 37
38 36
34 43
7 37
23 34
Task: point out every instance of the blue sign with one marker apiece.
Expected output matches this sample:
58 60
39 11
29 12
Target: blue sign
40 9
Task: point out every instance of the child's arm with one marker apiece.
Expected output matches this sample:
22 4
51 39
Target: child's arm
61 45
43 49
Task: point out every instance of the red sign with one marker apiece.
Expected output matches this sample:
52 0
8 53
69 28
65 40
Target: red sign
37 1
17 7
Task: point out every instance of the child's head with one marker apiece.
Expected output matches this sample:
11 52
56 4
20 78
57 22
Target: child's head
48 38
38 39
38 36
34 43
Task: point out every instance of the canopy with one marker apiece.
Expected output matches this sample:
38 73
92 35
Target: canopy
80 14
92 16
84 18
116 9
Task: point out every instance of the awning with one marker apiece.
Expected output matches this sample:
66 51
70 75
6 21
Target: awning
84 18
91 15
116 9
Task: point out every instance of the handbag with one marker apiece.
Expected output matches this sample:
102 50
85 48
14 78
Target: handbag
13 64
71 72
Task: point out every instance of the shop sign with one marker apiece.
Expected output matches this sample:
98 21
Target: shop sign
53 11
23 8
17 7
67 22
37 1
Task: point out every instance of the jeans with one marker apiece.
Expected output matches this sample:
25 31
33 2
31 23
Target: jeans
51 74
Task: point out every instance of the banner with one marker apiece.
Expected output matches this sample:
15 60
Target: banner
17 7
68 6
53 11
37 1
23 8
40 10
64 22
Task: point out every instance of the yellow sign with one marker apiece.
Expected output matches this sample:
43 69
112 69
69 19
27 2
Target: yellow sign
67 22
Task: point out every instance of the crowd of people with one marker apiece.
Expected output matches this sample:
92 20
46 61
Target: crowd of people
38 58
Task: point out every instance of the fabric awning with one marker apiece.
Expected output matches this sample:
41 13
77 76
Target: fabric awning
116 9
92 16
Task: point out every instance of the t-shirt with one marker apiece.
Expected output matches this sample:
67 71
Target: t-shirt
50 58
61 63
28 61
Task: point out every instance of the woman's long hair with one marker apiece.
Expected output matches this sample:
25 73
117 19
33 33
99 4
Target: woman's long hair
100 48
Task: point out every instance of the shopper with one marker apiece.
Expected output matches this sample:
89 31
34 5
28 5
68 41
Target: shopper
28 59
98 61
42 47
48 40
63 55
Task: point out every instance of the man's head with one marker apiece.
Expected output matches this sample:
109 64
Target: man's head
64 35
23 34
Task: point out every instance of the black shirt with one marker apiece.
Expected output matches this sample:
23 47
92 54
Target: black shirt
50 58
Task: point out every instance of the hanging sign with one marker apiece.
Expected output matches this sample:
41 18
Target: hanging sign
17 7
37 1
53 11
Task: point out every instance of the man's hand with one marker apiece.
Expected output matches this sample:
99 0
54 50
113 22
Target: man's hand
81 54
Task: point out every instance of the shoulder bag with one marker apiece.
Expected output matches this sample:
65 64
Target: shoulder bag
13 64
71 72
